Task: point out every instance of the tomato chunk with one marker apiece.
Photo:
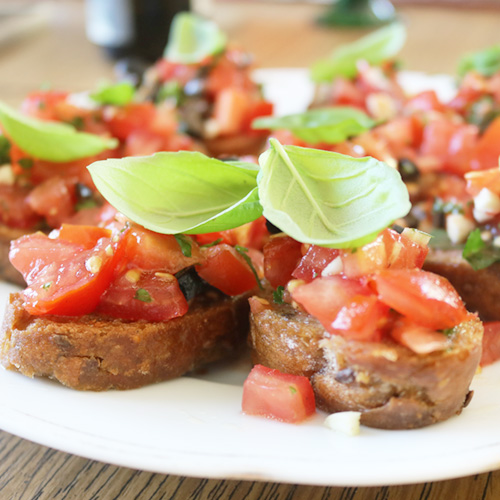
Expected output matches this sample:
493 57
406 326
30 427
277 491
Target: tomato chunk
136 294
425 298
272 394
227 270
281 256
314 262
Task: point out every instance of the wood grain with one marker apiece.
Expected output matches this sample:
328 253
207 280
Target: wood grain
279 34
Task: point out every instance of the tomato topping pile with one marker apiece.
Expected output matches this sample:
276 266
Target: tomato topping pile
368 294
280 396
123 271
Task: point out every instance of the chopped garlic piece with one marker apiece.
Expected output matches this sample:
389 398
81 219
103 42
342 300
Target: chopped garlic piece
346 422
133 275
381 106
458 227
7 175
336 266
93 264
486 205
211 128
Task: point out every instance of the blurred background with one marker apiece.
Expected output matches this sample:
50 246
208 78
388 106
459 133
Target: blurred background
47 43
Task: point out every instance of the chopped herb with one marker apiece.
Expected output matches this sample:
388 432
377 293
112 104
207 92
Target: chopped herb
85 204
25 163
212 244
77 122
243 252
354 250
170 90
47 285
448 331
4 150
440 240
185 244
293 390
143 295
479 253
278 295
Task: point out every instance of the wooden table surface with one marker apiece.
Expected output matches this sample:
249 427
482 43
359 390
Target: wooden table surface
279 34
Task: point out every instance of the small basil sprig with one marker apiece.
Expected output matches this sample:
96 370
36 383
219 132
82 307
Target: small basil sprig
193 38
116 94
327 198
314 196
328 125
374 48
51 141
479 253
486 62
184 192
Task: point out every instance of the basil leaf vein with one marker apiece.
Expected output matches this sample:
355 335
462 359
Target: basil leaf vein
327 198
184 192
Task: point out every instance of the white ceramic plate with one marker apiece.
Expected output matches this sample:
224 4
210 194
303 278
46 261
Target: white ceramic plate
193 426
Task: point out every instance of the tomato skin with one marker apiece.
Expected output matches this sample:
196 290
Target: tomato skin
424 101
130 118
225 269
43 104
85 236
161 298
425 298
488 148
67 279
362 318
158 252
281 256
272 394
491 343
489 178
314 262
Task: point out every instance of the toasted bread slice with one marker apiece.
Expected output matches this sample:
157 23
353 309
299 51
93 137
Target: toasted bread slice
7 270
480 290
97 353
391 386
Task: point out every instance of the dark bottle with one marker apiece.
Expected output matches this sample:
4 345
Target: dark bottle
131 28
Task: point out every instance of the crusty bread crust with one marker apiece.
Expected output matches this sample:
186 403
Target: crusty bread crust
97 353
391 386
7 270
480 290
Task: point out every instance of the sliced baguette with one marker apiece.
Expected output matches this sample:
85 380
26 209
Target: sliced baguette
391 386
97 353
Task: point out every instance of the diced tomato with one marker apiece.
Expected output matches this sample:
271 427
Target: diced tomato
15 211
365 260
402 251
314 262
425 101
228 237
462 149
281 256
64 278
258 108
418 338
425 298
159 252
226 74
130 118
477 180
182 73
491 343
147 295
226 269
345 92
54 199
436 139
231 106
42 104
272 394
85 236
323 298
363 317
488 148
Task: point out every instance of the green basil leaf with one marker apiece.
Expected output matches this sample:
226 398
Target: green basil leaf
278 295
51 141
193 38
486 62
328 125
374 48
4 150
116 94
184 192
478 253
327 198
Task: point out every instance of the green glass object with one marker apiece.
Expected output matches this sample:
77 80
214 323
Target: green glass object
359 13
